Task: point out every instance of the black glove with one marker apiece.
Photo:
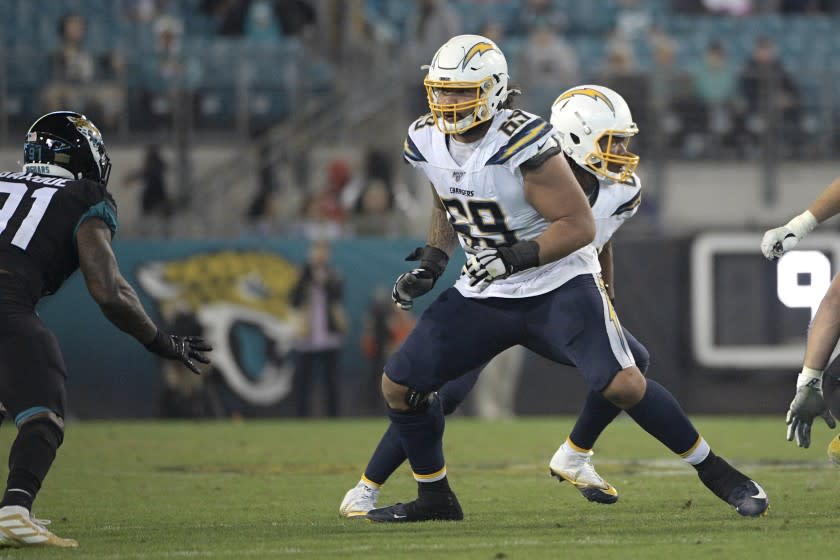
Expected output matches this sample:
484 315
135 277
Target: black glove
184 349
417 282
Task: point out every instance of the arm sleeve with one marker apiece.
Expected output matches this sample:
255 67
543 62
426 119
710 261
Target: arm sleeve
106 211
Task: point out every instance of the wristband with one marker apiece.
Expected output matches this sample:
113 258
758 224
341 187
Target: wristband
802 224
521 255
431 258
811 377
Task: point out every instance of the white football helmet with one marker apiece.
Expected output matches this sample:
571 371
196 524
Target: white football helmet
595 126
468 62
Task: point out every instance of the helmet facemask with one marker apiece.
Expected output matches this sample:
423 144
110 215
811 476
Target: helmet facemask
604 162
457 118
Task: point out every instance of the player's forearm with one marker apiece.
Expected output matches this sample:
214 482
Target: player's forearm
828 203
125 311
441 233
605 257
565 236
825 329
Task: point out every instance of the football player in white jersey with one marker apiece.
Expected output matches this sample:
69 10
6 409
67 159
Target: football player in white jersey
504 190
614 198
808 402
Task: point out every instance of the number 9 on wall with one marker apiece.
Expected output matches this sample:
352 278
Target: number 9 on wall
803 278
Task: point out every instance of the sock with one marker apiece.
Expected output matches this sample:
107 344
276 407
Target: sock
433 490
421 435
387 457
596 415
30 458
660 415
719 476
699 454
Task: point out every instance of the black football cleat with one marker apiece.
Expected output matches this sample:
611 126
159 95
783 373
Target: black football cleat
446 509
749 499
733 487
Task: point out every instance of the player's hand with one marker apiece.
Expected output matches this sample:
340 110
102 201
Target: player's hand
183 349
486 265
806 405
493 263
417 282
411 285
778 241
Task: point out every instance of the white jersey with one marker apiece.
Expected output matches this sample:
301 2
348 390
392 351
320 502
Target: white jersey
485 197
612 205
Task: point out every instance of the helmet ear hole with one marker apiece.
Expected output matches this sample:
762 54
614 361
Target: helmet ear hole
574 138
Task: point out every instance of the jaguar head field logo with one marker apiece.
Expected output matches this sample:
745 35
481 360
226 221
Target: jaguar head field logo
240 301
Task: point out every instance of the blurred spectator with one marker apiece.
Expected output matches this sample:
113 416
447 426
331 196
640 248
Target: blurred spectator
384 328
155 206
312 223
377 170
538 13
619 72
728 7
678 115
633 18
170 77
296 16
262 211
322 214
494 31
374 216
549 65
430 24
809 6
716 86
769 92
318 299
78 80
688 6
261 23
494 394
229 15
139 11
329 197
715 79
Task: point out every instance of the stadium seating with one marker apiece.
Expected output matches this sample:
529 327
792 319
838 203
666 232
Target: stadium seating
220 69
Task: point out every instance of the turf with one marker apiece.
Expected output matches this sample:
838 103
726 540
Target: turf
271 490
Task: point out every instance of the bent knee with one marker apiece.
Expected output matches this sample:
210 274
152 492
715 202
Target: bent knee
394 394
627 388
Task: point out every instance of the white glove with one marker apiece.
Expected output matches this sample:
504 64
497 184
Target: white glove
807 405
776 242
485 266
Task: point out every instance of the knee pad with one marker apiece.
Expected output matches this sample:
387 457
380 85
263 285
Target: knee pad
418 401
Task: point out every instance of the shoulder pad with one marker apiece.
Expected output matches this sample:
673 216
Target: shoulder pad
525 131
630 205
411 152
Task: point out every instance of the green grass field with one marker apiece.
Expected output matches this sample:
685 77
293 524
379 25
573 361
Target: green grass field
271 490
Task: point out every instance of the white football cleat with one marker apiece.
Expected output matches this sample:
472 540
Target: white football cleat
358 500
576 467
18 528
